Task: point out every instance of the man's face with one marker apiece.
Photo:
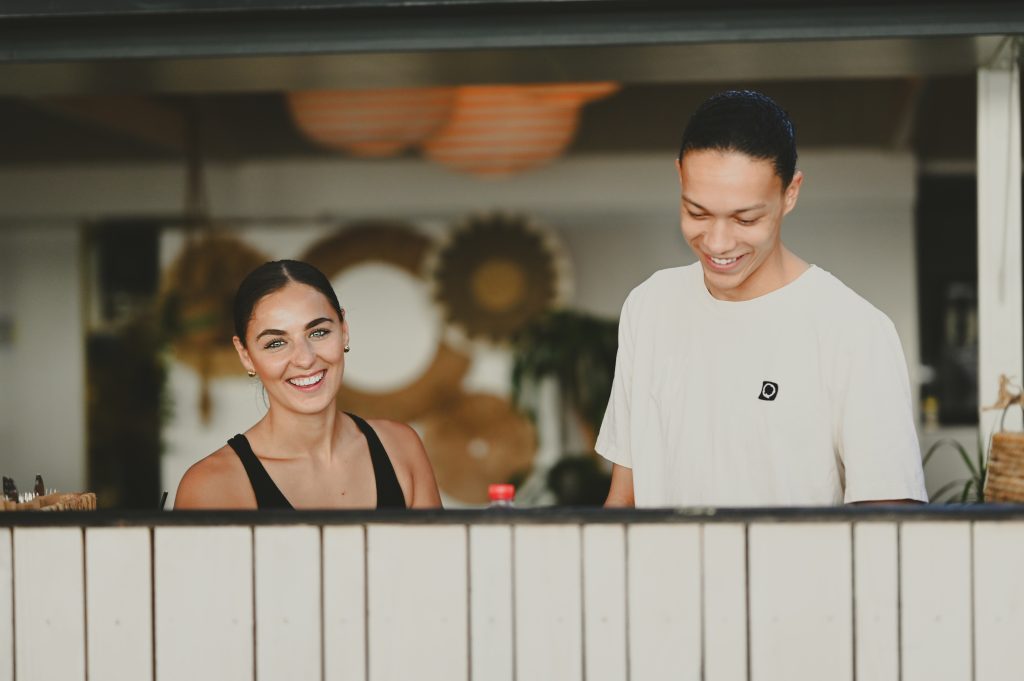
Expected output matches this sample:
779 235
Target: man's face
731 212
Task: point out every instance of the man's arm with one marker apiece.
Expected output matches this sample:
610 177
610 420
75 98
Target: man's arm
875 419
620 495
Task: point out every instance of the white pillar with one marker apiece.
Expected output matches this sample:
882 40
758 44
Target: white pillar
1001 336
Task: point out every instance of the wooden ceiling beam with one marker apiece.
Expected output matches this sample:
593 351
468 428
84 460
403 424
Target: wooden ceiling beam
138 118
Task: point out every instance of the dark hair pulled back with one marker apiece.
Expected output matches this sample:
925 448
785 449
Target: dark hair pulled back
274 276
746 121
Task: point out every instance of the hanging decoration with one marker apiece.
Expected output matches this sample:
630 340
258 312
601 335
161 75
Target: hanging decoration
477 440
500 130
196 302
484 130
370 123
198 289
406 248
497 273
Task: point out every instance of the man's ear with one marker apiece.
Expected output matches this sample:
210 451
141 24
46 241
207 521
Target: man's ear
243 355
679 169
793 192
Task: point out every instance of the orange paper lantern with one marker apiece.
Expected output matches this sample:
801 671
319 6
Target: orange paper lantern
370 123
498 130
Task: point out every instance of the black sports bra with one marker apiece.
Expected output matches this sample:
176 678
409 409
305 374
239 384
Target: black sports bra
389 492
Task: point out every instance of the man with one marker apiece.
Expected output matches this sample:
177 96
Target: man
752 378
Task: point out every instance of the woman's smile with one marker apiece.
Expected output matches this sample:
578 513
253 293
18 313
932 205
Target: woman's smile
309 382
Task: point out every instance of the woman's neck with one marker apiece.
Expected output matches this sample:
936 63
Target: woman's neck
286 434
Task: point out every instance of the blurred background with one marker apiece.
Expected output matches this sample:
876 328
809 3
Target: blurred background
483 214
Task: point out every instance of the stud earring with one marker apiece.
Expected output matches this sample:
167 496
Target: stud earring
252 374
347 348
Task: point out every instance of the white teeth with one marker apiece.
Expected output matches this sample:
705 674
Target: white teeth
722 261
307 381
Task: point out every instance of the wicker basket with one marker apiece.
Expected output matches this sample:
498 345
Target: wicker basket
85 501
1004 480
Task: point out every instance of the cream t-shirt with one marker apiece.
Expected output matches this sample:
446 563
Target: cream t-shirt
799 397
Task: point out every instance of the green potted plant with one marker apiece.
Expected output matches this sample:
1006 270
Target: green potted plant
576 350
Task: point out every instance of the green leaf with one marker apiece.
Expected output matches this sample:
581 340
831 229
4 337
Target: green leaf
956 446
937 496
967 491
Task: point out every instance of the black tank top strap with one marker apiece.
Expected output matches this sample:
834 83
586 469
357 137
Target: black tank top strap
267 493
389 492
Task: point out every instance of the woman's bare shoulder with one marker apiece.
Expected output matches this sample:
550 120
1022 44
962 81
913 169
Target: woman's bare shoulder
216 481
399 439
409 458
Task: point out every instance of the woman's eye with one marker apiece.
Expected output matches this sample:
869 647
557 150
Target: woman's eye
319 333
274 344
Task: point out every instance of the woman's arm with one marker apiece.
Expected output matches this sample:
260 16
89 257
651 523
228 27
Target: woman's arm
213 483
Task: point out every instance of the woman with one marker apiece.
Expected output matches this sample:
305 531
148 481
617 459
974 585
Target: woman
291 333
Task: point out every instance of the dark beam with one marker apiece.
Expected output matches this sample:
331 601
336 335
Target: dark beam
137 118
118 29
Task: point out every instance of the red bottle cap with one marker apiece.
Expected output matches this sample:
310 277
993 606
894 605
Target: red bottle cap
501 492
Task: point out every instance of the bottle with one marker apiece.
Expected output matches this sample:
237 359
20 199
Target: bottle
501 496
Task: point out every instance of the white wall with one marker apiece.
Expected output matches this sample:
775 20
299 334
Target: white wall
42 373
617 216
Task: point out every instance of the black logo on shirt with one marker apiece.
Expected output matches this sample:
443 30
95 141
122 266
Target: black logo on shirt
769 391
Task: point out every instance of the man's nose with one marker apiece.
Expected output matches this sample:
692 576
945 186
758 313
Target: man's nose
719 240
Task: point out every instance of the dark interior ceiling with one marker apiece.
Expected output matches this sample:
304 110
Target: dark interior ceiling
934 116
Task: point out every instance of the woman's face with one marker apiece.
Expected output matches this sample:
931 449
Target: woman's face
295 343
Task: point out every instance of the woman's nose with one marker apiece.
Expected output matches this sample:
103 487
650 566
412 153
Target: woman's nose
304 354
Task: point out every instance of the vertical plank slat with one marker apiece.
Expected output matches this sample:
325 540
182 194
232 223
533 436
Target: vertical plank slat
725 602
801 601
6 607
49 604
548 583
998 599
344 603
876 601
604 602
664 602
935 587
288 618
490 602
119 594
204 609
418 602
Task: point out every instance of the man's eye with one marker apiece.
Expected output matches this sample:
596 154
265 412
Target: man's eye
698 216
746 223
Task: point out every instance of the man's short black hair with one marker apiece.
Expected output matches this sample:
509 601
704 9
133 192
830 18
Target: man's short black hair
746 121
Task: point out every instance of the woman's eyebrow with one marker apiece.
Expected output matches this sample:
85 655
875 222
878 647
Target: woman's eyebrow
318 321
278 332
269 332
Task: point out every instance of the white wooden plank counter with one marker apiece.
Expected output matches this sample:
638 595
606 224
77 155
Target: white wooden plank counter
875 594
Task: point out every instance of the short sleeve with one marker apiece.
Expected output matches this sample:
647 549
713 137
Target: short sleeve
613 440
875 433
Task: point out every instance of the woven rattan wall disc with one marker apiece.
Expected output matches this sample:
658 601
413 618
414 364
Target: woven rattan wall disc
496 274
403 247
478 440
